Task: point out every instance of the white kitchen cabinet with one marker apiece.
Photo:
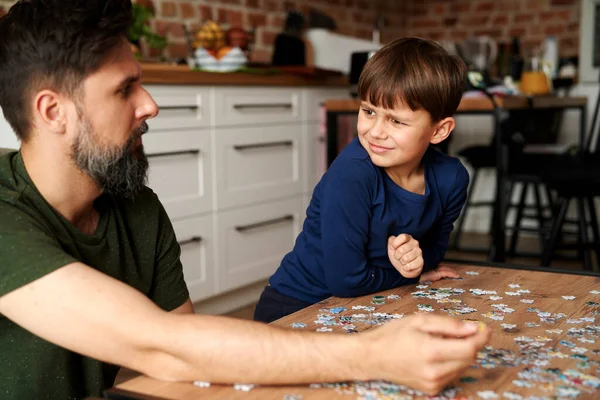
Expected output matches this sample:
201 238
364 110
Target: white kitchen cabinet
196 239
257 106
256 164
253 240
180 171
248 158
181 107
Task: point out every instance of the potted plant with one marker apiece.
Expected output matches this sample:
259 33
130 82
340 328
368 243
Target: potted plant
140 29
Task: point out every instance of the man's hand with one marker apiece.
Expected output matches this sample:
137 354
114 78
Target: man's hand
440 272
425 352
405 255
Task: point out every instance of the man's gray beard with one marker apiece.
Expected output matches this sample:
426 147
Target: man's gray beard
119 171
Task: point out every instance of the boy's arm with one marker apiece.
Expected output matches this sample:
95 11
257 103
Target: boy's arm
85 311
435 243
345 220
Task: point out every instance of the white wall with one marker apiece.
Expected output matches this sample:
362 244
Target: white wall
7 137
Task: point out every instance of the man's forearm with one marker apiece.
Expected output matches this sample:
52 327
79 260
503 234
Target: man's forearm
212 349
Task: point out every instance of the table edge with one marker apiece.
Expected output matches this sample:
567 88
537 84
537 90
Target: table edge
520 267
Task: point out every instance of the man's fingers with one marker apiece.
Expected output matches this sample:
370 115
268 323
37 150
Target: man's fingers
447 326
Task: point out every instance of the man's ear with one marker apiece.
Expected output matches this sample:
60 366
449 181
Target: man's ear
49 111
443 130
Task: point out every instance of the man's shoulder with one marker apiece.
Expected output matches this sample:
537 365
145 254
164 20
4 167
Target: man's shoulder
143 203
9 192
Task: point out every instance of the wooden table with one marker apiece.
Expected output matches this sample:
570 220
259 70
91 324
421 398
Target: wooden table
477 106
547 289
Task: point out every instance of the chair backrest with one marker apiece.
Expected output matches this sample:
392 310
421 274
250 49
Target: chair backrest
592 135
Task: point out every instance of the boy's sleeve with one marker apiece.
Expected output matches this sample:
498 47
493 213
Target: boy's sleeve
435 243
27 250
169 290
345 219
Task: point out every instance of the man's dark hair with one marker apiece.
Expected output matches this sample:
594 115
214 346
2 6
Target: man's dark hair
54 44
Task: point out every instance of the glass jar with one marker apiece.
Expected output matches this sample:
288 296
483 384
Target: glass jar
534 80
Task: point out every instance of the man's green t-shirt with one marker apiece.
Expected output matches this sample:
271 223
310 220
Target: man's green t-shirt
134 243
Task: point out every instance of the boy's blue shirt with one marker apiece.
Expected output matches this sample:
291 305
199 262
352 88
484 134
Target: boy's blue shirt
342 249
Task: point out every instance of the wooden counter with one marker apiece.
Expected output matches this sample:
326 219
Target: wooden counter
167 74
557 355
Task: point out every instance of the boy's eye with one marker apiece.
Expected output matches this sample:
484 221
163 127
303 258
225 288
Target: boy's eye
368 112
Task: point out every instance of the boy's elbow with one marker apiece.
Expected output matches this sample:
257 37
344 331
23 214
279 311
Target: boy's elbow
347 288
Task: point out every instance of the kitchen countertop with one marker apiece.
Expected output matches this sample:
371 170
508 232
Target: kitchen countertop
166 74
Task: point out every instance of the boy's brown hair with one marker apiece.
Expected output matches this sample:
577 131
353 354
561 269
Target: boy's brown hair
416 72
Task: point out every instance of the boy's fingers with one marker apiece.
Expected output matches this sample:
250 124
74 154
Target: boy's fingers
401 239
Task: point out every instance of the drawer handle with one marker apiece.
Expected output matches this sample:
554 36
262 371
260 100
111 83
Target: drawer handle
175 153
191 108
246 228
193 239
287 106
284 143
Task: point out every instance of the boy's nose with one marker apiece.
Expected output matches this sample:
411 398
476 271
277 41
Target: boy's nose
377 130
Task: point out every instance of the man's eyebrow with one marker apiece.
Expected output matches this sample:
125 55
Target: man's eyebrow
128 80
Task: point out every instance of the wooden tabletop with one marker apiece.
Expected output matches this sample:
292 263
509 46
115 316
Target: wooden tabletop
480 103
167 74
540 335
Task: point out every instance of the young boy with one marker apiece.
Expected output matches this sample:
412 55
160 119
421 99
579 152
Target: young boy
383 212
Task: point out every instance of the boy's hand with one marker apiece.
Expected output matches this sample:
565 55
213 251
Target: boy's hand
440 272
405 255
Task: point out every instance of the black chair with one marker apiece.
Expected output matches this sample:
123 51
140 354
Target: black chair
581 184
517 130
575 177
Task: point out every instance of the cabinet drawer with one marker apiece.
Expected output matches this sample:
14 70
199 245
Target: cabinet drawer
253 240
251 106
180 172
257 164
180 107
195 236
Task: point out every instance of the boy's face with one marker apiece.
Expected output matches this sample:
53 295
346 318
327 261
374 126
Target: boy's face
395 137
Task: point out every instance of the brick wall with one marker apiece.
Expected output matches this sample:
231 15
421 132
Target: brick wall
531 20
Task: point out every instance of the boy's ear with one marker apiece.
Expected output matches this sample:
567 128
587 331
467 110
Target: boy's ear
443 130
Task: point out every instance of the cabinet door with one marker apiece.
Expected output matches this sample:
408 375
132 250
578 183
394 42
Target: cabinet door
313 98
256 106
180 171
180 107
253 240
195 236
257 164
315 155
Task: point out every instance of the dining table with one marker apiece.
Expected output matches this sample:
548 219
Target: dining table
545 342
